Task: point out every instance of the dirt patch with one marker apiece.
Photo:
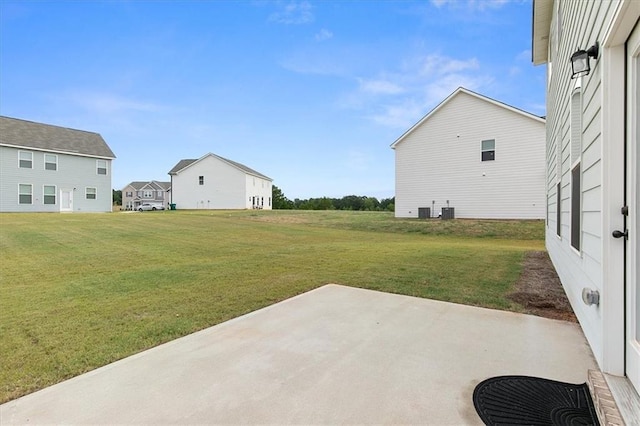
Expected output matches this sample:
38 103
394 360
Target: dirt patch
539 289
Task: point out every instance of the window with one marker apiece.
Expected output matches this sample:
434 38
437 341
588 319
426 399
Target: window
26 159
50 162
558 208
575 207
129 194
200 180
101 166
90 193
25 193
576 153
147 194
49 192
489 150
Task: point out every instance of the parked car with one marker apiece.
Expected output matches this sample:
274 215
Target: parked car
150 206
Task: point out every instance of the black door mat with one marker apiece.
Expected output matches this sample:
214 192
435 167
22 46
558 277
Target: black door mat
522 400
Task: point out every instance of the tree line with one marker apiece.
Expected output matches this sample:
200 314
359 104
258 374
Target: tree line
349 202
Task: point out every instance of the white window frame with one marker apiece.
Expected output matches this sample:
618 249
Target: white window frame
20 160
55 162
483 150
20 193
105 168
575 160
86 193
45 195
147 193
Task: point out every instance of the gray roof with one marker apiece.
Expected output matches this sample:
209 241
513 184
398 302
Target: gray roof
185 163
28 134
181 165
138 185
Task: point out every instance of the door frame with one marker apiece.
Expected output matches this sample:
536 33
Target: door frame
632 338
70 191
613 63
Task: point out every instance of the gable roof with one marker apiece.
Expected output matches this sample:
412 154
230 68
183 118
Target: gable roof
157 185
457 92
19 133
183 164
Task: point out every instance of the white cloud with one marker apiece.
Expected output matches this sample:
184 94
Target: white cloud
293 12
438 64
470 5
108 103
383 87
324 34
401 98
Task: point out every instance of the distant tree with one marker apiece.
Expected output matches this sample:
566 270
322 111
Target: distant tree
388 204
117 197
280 202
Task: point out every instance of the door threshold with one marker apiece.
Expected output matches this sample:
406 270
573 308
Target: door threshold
615 398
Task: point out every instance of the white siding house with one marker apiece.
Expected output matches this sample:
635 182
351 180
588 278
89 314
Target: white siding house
45 168
592 179
213 182
138 192
480 156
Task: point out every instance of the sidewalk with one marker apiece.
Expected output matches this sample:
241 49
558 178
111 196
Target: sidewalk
335 355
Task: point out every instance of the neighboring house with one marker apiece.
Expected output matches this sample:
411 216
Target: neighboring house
483 158
593 162
137 193
45 168
213 182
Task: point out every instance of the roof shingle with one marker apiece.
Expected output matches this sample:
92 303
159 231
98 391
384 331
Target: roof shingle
28 134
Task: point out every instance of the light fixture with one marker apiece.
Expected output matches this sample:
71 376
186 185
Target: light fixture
580 60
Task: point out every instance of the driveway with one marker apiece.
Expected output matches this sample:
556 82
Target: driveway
334 355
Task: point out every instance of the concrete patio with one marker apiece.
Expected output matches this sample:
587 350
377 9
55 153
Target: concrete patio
335 355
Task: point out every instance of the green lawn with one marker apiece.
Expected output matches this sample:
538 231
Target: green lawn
78 291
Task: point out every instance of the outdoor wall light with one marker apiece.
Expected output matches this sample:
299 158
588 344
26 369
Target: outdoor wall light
580 60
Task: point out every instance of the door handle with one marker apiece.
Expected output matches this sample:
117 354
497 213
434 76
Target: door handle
620 234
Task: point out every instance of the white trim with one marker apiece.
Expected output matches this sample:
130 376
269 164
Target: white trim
106 168
20 159
55 195
44 165
20 193
56 151
224 160
86 192
613 123
468 92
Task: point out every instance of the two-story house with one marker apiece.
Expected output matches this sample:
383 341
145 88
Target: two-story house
140 192
46 168
214 182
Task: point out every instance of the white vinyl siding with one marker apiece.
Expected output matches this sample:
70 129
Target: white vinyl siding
225 187
574 132
74 174
439 161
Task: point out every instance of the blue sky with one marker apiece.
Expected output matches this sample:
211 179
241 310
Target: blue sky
309 93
